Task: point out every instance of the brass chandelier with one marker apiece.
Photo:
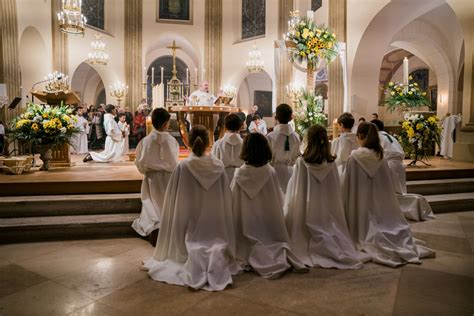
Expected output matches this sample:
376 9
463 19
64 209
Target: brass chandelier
98 56
71 20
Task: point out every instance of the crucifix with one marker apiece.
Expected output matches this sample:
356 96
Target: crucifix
174 48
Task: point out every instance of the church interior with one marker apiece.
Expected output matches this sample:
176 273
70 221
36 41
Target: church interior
106 106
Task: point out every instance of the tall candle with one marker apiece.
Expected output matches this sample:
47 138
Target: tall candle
144 74
162 74
310 15
196 75
152 76
187 76
405 72
203 74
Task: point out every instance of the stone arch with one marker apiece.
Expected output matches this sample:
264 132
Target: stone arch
260 81
87 81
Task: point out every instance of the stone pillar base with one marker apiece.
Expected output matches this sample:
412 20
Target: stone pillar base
463 148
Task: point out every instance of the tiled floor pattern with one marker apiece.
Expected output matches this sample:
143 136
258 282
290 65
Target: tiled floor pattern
102 277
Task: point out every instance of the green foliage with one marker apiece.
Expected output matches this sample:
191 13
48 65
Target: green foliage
308 112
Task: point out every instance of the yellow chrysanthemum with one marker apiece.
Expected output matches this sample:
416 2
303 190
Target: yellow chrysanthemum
35 127
419 126
305 33
411 133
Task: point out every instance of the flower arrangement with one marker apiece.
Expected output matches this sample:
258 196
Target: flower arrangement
311 43
308 112
405 97
419 134
44 124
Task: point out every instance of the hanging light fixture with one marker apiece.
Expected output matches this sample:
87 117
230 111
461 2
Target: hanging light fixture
255 62
71 20
98 56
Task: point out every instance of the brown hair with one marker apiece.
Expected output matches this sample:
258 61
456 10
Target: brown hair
109 108
232 122
283 113
318 149
199 139
159 117
255 150
369 133
346 120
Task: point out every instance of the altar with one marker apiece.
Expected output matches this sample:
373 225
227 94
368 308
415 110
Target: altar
202 115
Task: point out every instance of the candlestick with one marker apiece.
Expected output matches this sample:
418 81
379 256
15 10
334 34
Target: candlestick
162 74
405 72
152 76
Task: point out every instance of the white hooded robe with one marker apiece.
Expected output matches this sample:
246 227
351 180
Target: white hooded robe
156 157
79 140
449 125
227 149
196 242
342 148
374 218
114 142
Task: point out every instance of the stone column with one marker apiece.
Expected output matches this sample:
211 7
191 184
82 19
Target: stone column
213 44
60 39
10 66
337 21
285 68
133 52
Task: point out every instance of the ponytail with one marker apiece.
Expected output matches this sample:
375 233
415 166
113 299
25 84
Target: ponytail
369 133
199 139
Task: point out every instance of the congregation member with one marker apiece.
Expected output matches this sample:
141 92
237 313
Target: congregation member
342 146
2 137
252 112
285 145
96 132
114 141
374 218
258 125
196 243
314 210
139 124
263 244
414 206
125 129
79 139
228 147
156 158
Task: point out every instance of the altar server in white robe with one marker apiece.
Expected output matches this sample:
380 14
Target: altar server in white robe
79 139
125 128
263 243
228 147
156 158
449 125
196 241
414 206
314 211
285 145
114 141
374 218
342 146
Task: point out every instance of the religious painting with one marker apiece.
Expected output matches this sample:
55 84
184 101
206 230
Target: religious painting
263 99
322 90
174 11
421 77
93 10
433 95
253 18
322 75
316 4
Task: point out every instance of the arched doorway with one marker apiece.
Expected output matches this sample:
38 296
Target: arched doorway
87 82
167 63
256 88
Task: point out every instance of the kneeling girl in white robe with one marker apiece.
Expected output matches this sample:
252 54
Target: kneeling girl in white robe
156 157
285 145
375 220
263 243
314 211
196 241
228 147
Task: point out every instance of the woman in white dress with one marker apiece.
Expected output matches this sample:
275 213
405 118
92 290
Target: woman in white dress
79 139
314 211
156 157
263 243
196 242
114 141
228 147
375 220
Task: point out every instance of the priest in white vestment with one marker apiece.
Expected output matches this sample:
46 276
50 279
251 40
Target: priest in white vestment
415 207
343 145
449 125
263 243
196 242
114 142
156 158
374 218
201 96
285 145
227 149
79 139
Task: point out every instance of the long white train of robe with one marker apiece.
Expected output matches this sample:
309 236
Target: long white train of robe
374 218
449 125
315 218
227 149
196 242
114 142
79 139
342 148
125 128
414 206
262 239
284 160
156 157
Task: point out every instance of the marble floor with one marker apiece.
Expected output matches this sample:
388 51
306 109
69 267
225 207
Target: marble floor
102 277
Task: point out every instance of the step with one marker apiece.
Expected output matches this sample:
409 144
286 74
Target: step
62 205
449 203
27 229
436 174
443 186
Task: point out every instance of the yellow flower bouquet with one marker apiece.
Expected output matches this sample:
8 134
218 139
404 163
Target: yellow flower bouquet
403 97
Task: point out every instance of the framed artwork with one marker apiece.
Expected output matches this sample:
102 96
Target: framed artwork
174 11
433 95
264 101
